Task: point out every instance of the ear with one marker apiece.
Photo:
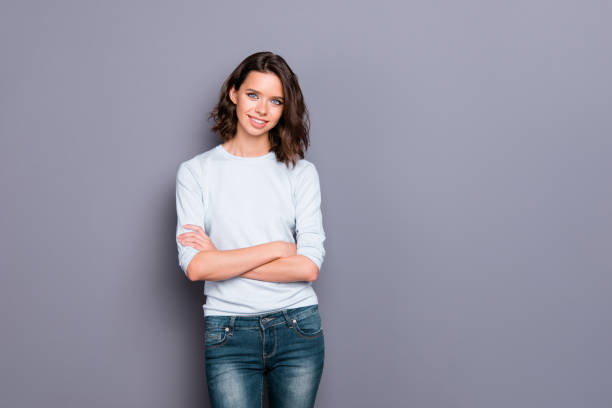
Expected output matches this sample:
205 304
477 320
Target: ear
232 95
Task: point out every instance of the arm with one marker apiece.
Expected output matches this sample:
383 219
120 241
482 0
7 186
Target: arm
214 265
206 263
309 230
288 269
189 210
197 256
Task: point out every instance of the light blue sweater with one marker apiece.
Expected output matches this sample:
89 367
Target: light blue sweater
246 201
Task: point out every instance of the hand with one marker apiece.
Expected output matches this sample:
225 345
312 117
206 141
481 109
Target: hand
288 248
198 239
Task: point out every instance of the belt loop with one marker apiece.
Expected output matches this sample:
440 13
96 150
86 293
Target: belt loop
287 318
231 324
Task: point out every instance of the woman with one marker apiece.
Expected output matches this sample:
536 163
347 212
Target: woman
250 226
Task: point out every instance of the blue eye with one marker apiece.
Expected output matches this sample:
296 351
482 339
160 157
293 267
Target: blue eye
277 102
251 93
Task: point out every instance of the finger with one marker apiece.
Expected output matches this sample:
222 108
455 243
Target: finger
195 228
192 244
188 239
200 242
187 235
192 227
196 237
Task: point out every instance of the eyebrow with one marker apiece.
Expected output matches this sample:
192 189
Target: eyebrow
256 91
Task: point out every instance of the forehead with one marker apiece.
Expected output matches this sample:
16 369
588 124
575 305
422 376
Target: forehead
265 82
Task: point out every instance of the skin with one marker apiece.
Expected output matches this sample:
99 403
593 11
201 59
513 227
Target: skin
260 96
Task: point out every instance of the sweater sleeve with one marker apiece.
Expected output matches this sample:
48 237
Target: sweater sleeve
189 210
308 218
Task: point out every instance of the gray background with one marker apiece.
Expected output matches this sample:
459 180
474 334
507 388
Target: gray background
464 153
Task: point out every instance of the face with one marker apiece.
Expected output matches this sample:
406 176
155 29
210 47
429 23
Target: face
259 103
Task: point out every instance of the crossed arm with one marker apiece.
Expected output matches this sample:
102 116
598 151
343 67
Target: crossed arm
273 261
276 261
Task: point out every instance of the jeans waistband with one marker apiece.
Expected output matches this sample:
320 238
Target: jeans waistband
264 320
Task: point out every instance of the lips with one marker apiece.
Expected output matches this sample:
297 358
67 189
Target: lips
254 117
256 124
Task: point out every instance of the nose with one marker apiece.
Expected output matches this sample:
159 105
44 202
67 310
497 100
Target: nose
261 107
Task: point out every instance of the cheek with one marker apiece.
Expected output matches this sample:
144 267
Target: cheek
243 106
240 107
277 116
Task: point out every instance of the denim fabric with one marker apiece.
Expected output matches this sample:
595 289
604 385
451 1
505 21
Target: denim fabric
286 346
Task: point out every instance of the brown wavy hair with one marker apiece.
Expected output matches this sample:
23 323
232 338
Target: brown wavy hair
289 139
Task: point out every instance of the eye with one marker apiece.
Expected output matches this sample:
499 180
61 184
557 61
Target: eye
252 93
277 102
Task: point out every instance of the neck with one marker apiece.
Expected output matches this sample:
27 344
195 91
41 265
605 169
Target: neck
248 147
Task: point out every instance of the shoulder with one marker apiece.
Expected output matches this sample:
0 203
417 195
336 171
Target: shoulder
304 173
303 168
197 164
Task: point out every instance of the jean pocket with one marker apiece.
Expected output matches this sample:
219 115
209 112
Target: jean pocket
216 336
308 326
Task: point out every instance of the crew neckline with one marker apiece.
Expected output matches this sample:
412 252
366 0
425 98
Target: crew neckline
268 155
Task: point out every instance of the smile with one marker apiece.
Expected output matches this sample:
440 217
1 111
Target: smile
257 122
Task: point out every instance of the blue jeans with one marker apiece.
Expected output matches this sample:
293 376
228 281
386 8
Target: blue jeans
286 346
